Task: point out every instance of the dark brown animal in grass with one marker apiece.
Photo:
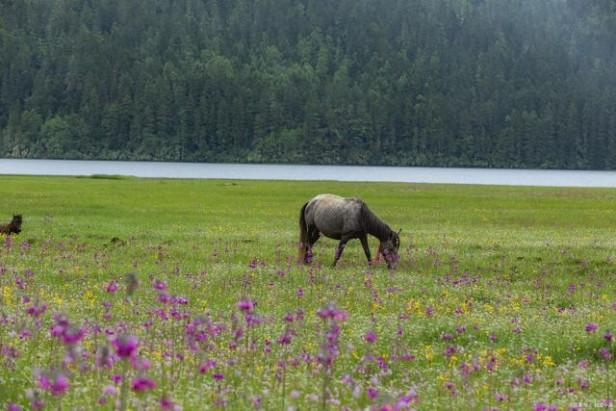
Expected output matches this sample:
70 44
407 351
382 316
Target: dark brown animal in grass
14 227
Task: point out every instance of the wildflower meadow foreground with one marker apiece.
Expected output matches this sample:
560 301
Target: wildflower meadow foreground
146 294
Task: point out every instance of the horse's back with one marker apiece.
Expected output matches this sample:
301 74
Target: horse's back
333 215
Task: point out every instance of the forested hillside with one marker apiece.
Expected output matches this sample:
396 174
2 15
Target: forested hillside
500 83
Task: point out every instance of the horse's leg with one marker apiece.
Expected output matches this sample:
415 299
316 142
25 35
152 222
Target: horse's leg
379 253
313 236
364 244
340 248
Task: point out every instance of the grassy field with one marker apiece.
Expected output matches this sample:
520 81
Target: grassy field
504 298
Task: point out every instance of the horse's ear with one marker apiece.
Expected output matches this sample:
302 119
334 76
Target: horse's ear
399 231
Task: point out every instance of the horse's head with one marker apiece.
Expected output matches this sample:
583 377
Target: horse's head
390 247
16 223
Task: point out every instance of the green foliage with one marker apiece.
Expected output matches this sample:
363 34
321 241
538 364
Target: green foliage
531 266
450 82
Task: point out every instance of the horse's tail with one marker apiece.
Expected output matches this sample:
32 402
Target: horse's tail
303 234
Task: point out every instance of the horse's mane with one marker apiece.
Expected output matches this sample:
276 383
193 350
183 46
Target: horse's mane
374 225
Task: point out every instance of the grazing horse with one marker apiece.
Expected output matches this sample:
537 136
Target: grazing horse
14 227
344 219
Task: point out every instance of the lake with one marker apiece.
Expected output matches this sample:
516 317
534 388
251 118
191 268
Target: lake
557 178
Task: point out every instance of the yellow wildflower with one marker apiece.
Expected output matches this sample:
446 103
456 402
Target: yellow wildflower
515 306
547 361
428 353
413 306
89 297
7 295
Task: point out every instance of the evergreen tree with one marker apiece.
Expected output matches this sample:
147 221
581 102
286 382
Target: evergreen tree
410 82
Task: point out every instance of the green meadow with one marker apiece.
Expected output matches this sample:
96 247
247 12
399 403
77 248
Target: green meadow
504 298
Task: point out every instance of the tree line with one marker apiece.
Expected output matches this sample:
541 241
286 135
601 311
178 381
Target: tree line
494 83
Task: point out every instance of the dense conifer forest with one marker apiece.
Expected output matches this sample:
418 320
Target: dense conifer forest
498 83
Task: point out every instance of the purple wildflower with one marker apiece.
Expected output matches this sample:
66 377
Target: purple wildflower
140 363
500 396
112 287
206 365
20 282
410 397
491 365
126 346
286 337
452 388
110 391
73 335
247 305
333 313
61 324
605 353
57 386
159 285
36 310
450 350
164 298
591 327
370 337
372 392
142 384
167 404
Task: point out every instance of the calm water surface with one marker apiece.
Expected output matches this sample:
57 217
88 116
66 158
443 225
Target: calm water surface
559 178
